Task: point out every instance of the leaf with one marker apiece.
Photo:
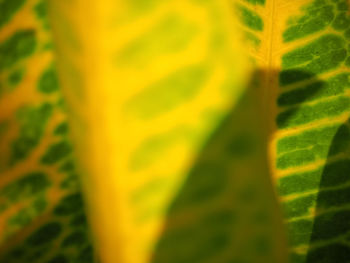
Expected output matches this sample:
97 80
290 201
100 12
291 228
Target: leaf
187 131
307 115
42 215
162 105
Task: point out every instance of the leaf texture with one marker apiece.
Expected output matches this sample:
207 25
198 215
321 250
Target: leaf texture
42 217
205 131
175 162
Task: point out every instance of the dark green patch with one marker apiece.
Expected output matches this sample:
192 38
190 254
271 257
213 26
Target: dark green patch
221 218
56 152
20 45
39 204
20 219
70 204
8 9
216 243
18 252
340 141
205 182
342 5
75 239
32 122
331 225
262 244
250 18
242 145
48 82
192 243
290 76
297 258
79 220
45 234
40 9
15 77
347 62
62 104
67 166
308 113
27 186
333 198
319 89
347 34
59 259
61 129
336 173
341 21
71 182
16 255
36 254
86 255
330 253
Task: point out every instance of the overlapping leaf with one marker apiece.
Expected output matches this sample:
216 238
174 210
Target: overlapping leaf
189 120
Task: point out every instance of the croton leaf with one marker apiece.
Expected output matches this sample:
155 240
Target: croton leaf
194 131
42 217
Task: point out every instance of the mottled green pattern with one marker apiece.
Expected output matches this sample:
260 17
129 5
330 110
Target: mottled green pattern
48 81
319 153
18 46
63 237
25 215
317 17
56 152
321 55
333 86
306 98
251 20
32 124
8 10
15 77
40 228
61 129
40 10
